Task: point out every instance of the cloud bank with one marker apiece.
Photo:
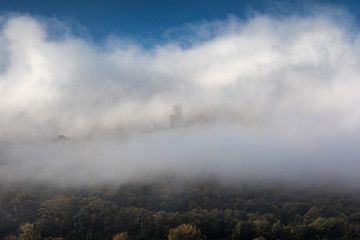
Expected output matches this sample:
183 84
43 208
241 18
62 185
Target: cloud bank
267 96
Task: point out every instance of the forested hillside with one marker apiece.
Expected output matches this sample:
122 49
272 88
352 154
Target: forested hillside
149 210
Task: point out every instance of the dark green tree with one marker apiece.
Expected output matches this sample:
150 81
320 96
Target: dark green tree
244 231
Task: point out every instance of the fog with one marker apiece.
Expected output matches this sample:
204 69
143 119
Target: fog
272 97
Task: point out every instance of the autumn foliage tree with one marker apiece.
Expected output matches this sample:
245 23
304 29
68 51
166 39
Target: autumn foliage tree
121 236
184 232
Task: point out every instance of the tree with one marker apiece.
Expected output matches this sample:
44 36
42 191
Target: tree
95 218
184 232
121 236
244 231
262 228
136 221
164 221
330 228
291 209
27 232
25 207
55 216
277 231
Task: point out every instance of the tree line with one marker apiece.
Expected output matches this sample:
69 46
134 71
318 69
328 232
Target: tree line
170 210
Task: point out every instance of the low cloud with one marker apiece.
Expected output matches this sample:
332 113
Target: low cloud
262 97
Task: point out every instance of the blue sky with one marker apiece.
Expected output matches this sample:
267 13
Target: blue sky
144 20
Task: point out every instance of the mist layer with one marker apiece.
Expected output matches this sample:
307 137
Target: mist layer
268 96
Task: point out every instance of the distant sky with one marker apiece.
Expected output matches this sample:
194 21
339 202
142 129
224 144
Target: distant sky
149 19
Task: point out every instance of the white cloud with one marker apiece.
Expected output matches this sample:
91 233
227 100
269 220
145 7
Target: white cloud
287 87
